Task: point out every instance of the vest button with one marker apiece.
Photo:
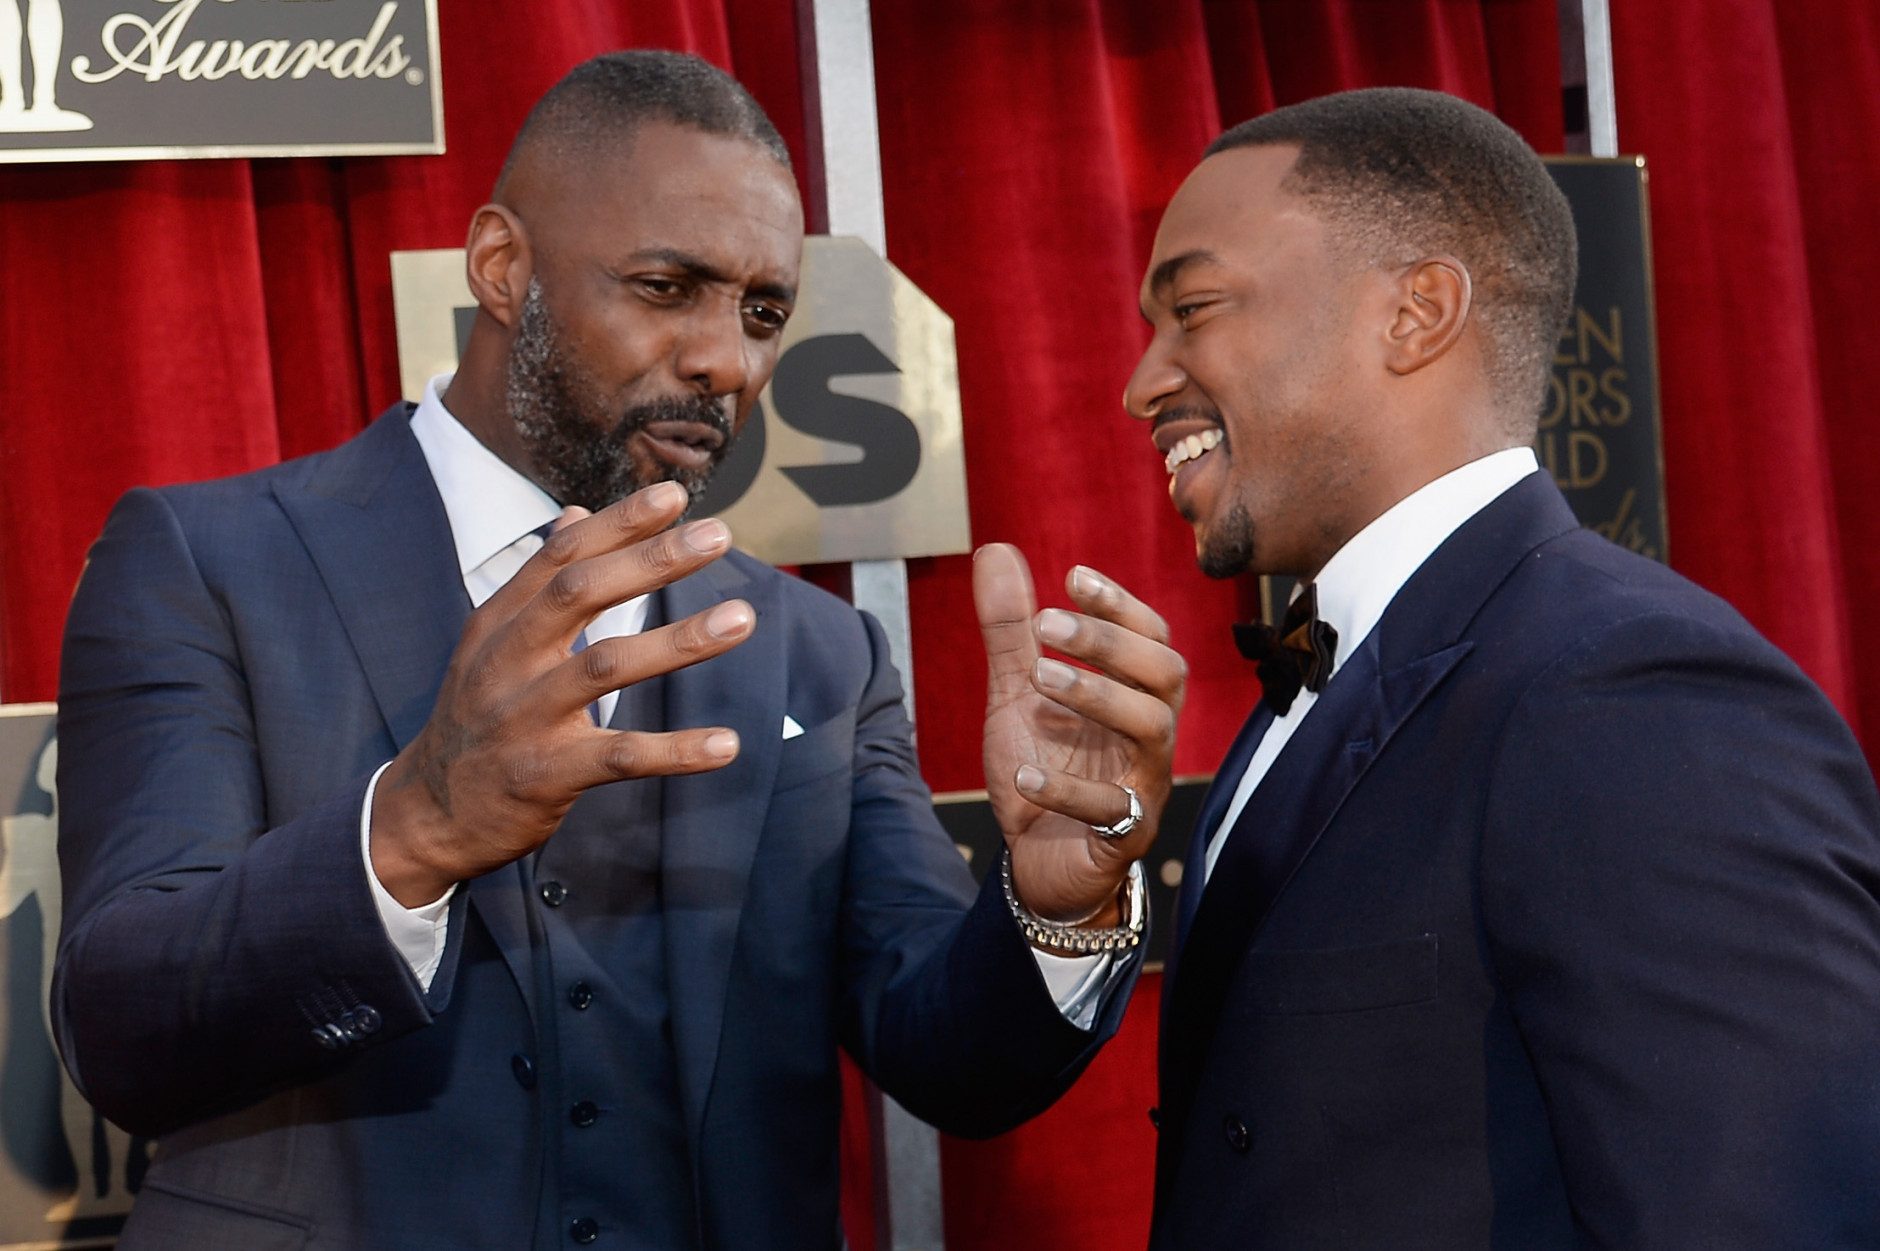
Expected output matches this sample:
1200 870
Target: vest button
1155 1117
584 1230
554 893
580 995
524 1069
584 1114
1236 1131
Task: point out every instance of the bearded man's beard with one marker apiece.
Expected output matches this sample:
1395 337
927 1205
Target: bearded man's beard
579 449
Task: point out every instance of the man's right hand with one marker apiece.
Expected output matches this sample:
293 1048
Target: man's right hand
510 746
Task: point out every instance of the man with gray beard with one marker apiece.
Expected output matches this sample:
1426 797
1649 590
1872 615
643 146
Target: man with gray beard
461 850
555 407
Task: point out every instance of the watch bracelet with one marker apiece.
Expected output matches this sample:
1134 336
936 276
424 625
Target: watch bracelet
1074 938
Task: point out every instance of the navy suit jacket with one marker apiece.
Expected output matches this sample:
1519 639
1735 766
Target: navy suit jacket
242 654
1553 926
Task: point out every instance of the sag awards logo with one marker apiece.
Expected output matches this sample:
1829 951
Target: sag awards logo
110 79
39 38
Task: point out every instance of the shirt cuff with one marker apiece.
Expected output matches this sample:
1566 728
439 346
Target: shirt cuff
419 933
1076 983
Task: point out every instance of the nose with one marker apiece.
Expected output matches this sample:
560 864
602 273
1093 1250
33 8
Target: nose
1157 380
713 353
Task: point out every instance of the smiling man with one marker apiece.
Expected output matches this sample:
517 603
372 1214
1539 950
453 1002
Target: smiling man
461 853
1535 904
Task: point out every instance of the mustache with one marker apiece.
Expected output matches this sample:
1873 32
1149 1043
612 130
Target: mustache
1186 412
705 410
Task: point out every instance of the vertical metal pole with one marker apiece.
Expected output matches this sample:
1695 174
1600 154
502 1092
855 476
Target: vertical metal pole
1602 115
838 65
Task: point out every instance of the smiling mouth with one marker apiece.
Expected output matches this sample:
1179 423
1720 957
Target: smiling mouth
1193 447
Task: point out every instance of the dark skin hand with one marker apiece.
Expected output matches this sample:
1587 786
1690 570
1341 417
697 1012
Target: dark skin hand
1062 741
510 746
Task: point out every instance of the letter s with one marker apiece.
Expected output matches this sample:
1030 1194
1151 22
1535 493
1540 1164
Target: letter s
889 440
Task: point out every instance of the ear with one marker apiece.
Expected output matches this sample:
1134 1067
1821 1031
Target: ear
1433 301
498 263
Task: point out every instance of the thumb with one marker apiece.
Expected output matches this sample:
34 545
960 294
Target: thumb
1004 599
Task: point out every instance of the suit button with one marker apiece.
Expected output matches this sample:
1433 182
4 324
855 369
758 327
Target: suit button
1236 1131
585 1230
327 1036
553 893
580 995
524 1069
364 1020
584 1114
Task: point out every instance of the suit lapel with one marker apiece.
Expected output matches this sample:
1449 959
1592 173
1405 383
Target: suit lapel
1282 822
1213 807
375 526
1415 646
712 821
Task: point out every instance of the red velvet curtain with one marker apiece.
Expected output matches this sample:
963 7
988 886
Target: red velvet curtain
171 321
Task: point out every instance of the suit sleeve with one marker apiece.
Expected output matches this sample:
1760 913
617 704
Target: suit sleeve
1679 877
206 959
944 1003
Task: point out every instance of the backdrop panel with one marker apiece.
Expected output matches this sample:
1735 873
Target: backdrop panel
174 321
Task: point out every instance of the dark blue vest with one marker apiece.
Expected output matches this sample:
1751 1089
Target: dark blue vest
617 1166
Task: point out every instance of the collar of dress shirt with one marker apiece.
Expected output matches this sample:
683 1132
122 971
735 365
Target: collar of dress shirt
489 504
1362 577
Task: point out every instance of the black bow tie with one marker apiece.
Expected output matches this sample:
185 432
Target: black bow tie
1296 656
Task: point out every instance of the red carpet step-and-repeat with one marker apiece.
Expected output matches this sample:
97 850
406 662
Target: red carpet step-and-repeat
168 321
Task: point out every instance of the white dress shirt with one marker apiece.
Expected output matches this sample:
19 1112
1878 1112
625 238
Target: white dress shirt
494 513
1360 580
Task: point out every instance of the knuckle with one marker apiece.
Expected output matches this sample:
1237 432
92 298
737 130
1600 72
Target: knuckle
599 663
566 589
622 757
660 557
1098 639
559 548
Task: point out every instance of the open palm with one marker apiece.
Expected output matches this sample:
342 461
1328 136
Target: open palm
1062 743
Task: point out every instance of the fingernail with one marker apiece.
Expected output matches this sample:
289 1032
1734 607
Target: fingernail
706 537
1029 779
665 495
723 745
728 619
1056 626
1054 674
1086 581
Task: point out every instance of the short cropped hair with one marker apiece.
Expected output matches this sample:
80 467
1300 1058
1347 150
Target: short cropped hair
1402 174
608 98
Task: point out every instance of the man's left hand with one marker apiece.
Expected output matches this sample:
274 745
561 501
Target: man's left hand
1062 742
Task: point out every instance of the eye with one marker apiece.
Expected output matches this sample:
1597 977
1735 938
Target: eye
766 319
659 287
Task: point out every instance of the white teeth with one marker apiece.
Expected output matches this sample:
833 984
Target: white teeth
1190 448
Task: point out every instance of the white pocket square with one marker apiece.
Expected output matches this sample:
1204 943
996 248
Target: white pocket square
790 728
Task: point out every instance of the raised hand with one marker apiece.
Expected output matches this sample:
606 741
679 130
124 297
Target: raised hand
1062 742
510 746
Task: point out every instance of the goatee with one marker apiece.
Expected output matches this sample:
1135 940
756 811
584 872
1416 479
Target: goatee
578 448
